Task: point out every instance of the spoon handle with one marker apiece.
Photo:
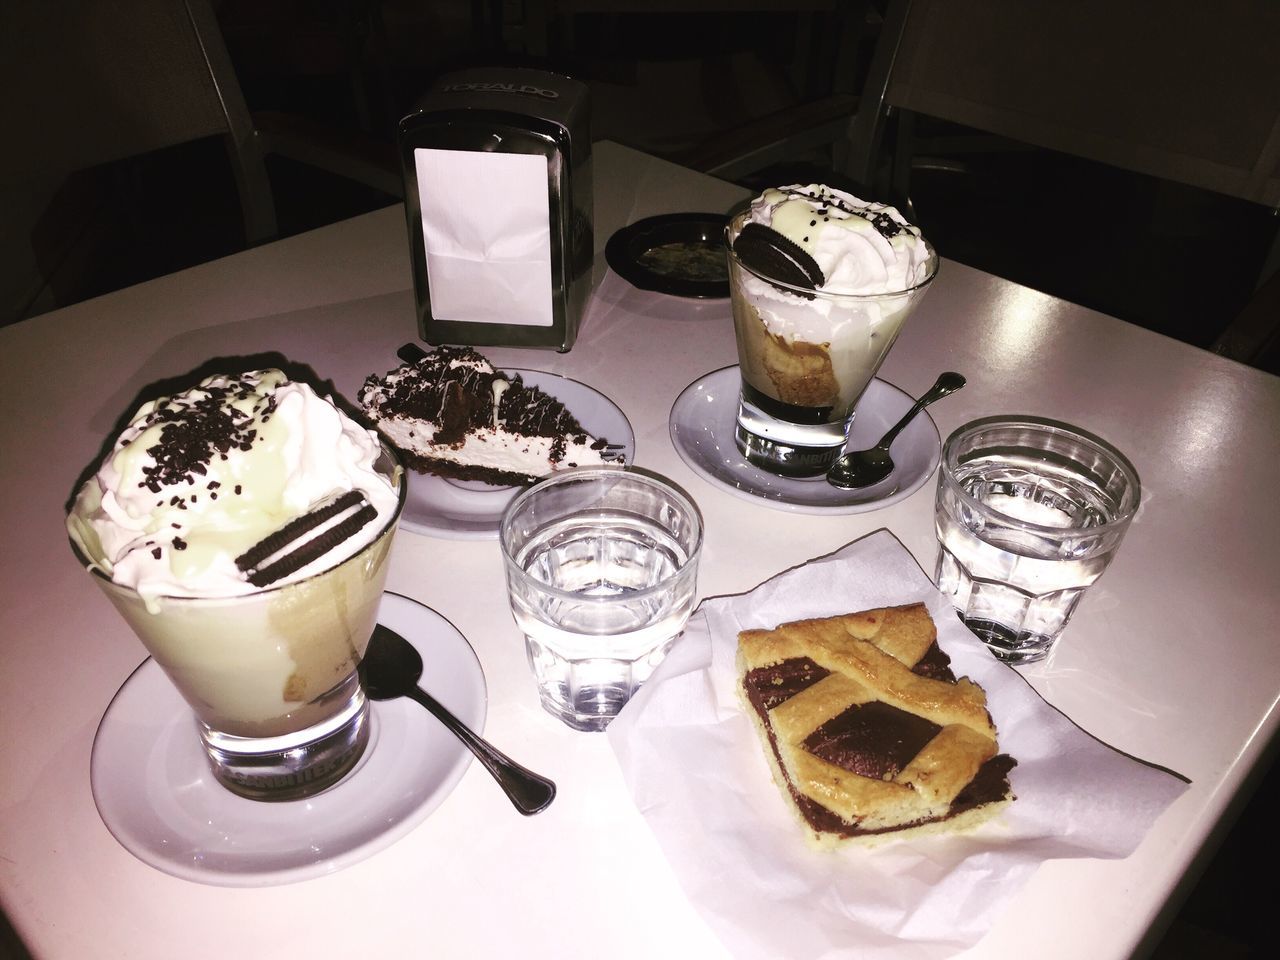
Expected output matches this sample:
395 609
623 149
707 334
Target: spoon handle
530 792
946 383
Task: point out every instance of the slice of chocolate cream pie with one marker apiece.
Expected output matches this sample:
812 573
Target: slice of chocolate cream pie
867 731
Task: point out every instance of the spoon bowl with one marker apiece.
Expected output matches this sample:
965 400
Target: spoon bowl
392 667
863 468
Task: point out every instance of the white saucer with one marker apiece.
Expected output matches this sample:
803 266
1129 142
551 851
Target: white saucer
704 417
468 510
154 791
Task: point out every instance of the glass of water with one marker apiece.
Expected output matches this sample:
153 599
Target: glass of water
1029 513
602 567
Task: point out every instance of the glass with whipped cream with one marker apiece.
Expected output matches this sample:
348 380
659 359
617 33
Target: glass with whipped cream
821 284
242 529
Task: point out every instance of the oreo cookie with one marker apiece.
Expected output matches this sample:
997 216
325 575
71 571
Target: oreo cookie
776 257
266 562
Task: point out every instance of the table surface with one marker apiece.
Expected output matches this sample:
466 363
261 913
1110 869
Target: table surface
1171 657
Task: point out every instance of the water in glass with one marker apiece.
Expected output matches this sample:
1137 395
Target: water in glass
1017 569
604 598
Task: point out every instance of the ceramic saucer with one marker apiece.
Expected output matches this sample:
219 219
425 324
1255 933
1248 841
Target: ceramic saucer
152 785
702 425
467 510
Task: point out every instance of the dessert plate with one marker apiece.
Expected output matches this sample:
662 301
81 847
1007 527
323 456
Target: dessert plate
467 510
703 420
679 254
153 789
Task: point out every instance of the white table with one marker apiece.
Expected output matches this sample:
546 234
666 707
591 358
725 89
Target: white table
1171 657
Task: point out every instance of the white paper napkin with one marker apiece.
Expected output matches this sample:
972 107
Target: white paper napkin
486 229
697 772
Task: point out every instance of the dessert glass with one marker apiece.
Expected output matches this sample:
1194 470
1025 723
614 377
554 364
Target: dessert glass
602 568
1029 513
806 357
271 675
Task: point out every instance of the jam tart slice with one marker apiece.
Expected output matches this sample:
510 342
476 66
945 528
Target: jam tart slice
868 733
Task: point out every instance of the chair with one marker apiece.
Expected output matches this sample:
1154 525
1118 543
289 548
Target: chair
96 81
735 124
1187 94
103 81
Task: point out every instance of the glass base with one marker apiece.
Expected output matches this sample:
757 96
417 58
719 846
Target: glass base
607 703
784 459
292 766
587 694
1009 645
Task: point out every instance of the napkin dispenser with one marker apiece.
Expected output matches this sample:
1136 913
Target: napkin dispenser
497 177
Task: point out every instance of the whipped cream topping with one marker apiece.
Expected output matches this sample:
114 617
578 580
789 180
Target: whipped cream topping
861 247
198 478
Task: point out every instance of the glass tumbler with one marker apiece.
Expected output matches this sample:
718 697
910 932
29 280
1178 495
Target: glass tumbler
806 357
1029 513
602 567
271 675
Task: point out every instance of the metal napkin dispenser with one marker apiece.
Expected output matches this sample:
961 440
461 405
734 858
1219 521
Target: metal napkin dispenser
497 177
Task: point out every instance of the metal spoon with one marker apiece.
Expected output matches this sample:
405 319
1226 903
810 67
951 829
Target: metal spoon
862 468
392 667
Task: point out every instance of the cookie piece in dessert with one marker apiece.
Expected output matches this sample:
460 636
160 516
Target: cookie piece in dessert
868 733
452 414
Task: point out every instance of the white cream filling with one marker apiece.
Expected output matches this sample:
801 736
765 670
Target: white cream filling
494 449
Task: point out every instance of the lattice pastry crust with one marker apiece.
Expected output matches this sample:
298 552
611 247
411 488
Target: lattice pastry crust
868 732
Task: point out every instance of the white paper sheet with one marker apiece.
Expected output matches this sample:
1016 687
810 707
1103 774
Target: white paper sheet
486 228
697 772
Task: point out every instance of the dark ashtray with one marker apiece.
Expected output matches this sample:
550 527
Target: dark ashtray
680 254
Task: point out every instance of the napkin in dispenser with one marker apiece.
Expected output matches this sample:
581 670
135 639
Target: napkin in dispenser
497 176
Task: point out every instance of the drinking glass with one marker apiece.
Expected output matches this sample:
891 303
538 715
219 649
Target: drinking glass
806 357
271 675
1029 513
602 566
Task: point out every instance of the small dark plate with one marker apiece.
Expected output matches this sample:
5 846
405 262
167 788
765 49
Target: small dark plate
681 254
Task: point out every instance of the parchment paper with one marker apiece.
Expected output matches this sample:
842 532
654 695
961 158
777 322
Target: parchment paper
697 772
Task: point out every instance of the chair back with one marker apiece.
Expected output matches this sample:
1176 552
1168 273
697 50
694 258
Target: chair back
1183 90
94 81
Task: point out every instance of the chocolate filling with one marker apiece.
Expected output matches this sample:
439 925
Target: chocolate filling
871 740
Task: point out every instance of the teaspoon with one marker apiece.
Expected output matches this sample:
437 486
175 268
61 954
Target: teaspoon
392 667
862 468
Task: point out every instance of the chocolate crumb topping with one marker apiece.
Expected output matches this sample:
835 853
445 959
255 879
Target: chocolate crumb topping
193 433
452 389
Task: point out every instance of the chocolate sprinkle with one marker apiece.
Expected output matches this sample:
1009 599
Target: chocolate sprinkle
204 425
452 389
